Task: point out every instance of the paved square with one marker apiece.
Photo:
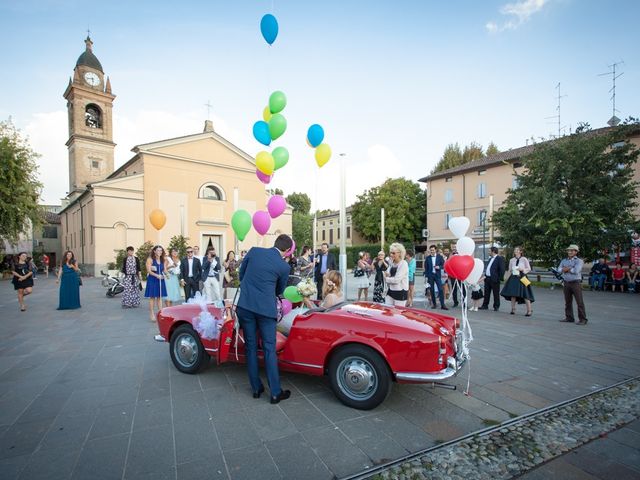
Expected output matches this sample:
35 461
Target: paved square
89 394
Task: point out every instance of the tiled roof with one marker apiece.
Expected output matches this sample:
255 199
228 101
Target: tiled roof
50 217
502 157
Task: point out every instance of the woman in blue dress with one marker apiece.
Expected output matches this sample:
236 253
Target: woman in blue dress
68 277
156 288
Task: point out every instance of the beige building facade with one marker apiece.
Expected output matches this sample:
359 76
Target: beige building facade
328 230
475 190
198 181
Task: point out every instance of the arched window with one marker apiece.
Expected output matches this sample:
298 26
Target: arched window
93 116
120 235
211 191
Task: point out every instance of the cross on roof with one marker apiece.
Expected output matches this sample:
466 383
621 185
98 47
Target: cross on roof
209 107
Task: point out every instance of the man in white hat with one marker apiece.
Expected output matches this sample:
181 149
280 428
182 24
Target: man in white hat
571 268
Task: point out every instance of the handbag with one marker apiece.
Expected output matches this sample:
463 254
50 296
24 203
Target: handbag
525 281
358 272
227 276
79 279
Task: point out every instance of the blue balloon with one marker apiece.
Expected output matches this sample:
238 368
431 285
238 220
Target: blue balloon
269 28
261 132
315 135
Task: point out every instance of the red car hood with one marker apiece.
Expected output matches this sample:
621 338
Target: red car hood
402 317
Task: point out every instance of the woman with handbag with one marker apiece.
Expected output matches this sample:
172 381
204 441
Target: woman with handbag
69 280
22 279
518 286
361 275
132 278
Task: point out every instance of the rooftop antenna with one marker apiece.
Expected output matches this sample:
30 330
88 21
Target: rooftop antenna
558 117
209 107
613 121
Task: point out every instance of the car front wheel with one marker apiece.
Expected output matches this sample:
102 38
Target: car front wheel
187 353
359 377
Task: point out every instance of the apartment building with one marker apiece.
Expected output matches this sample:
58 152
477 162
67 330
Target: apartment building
328 229
477 189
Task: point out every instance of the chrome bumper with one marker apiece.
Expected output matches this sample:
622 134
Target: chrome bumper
453 367
159 338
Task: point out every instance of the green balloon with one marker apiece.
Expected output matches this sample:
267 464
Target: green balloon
277 101
277 125
291 294
241 223
280 156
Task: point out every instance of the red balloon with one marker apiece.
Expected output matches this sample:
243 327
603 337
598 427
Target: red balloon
459 266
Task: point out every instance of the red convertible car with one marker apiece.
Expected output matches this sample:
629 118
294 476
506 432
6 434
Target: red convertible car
363 347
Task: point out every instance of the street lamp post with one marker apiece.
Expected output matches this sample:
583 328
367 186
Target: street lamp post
483 218
343 225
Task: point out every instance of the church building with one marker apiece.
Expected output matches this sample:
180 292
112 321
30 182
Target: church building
198 181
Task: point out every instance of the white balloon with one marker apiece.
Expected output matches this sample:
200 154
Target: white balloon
476 273
459 226
466 246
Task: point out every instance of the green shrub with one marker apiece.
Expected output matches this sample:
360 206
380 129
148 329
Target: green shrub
353 253
143 253
120 256
180 243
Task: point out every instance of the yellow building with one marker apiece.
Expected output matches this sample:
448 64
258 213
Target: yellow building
475 190
328 230
198 181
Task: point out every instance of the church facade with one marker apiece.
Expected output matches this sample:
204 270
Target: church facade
197 180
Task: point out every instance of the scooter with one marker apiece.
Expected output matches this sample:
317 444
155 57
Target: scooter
113 285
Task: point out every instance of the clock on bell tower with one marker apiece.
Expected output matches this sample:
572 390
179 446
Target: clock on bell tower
89 104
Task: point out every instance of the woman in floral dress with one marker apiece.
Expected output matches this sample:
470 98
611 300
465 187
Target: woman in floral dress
380 266
230 272
132 279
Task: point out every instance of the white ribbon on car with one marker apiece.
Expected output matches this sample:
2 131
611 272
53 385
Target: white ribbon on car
205 324
465 326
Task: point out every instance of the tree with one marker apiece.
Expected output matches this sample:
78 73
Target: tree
405 208
577 189
301 220
492 149
143 253
471 152
300 202
20 188
453 156
180 243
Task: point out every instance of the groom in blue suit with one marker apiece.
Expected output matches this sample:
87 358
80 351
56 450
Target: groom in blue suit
434 264
263 276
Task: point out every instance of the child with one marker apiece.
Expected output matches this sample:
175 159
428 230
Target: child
477 295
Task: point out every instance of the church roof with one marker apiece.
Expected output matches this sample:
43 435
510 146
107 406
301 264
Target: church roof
87 58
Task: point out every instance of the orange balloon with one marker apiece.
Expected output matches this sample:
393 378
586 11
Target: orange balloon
157 218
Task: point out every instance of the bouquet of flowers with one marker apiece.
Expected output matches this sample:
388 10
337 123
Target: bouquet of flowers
307 288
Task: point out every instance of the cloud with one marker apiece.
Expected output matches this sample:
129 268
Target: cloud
517 13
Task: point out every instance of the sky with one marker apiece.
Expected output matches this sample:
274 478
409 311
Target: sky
391 83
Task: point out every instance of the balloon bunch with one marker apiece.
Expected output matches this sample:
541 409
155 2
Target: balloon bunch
466 270
270 128
315 136
265 131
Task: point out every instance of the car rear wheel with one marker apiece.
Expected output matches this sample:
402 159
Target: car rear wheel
359 377
187 353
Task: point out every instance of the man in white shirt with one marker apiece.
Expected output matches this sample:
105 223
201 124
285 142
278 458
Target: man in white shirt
210 274
196 254
493 274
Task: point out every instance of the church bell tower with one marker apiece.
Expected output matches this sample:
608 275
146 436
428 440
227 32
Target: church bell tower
89 103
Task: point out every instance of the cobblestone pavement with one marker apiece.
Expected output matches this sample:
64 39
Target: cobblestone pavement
88 394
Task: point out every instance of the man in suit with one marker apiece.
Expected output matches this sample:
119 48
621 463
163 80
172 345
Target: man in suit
263 276
190 274
434 263
323 261
211 276
493 273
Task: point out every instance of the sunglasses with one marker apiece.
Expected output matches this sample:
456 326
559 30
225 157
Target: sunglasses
189 251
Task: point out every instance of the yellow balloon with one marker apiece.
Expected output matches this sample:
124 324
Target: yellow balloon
266 114
265 163
157 218
323 154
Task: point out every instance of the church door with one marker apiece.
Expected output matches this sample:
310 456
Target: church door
214 241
